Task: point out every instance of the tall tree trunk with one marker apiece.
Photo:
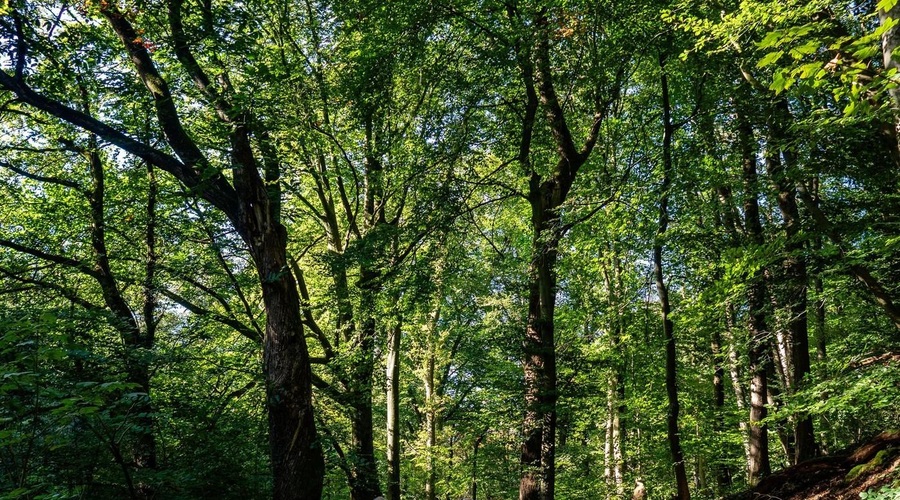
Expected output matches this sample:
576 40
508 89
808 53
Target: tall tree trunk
758 441
365 483
431 398
795 274
538 450
364 472
614 436
722 472
430 430
614 446
663 293
393 412
474 486
296 453
297 461
545 195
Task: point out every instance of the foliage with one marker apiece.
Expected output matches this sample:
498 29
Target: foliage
396 149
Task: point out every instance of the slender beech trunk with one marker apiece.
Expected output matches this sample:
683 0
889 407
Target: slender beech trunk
614 444
430 429
393 411
618 419
737 376
794 270
614 437
819 286
431 396
662 291
474 486
758 441
722 472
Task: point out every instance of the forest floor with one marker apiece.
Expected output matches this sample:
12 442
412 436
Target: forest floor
842 476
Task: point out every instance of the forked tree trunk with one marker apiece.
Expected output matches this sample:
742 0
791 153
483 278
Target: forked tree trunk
546 193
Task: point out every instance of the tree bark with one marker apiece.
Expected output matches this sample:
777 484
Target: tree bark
296 453
795 273
722 472
364 472
393 412
662 291
432 397
538 450
758 441
298 466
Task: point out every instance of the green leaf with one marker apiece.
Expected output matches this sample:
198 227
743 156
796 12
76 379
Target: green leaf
770 58
781 81
886 5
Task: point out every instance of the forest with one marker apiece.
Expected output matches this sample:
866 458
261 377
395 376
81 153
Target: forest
445 249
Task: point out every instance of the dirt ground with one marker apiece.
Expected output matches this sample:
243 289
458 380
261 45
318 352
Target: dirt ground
838 477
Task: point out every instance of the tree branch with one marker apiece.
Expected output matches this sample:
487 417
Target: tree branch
41 178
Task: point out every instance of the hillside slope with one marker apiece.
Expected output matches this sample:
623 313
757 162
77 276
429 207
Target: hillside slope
837 477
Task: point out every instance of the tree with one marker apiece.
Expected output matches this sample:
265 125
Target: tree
249 204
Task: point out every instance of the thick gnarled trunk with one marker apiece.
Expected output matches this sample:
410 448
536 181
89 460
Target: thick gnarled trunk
297 461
